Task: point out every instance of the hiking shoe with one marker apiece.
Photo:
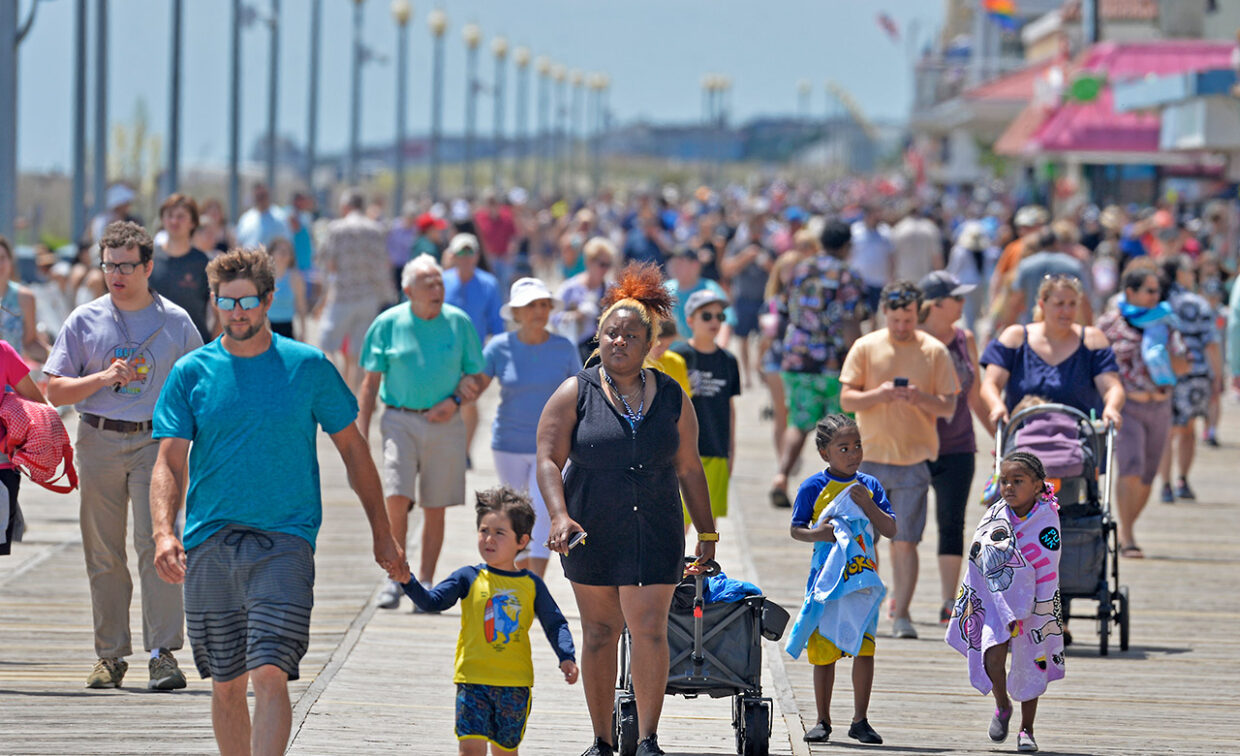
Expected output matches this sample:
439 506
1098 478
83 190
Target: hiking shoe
999 725
1025 742
1167 496
818 733
165 674
902 627
862 731
107 673
650 746
600 748
389 597
1182 491
945 612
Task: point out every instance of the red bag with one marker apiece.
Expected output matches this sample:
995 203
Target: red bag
35 440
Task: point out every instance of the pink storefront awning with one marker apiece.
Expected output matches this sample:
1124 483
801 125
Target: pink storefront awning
1094 127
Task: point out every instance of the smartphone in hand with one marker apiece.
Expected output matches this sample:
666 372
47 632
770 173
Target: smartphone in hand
899 382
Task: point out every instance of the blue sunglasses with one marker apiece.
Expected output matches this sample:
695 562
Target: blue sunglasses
229 303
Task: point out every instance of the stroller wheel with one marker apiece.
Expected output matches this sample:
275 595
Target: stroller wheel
755 737
624 723
1125 609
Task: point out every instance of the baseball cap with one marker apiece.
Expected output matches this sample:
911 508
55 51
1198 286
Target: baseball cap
795 214
427 221
525 291
119 194
941 284
463 244
699 299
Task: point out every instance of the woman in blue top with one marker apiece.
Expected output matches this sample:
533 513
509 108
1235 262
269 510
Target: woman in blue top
1054 357
530 363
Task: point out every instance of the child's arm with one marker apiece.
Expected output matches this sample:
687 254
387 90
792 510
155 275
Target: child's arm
802 528
442 596
884 523
556 628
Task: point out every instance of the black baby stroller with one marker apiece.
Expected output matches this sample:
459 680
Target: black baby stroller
1088 565
716 650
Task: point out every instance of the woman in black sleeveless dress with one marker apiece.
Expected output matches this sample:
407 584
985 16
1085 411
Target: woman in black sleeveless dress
631 436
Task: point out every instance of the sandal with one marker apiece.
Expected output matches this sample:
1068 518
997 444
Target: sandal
945 612
779 498
1131 551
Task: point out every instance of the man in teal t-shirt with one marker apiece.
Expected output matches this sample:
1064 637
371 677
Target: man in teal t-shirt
251 404
423 359
686 269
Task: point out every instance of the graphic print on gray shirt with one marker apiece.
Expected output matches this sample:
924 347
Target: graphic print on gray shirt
97 334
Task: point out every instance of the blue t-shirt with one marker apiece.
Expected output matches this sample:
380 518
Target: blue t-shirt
528 375
820 489
479 298
253 423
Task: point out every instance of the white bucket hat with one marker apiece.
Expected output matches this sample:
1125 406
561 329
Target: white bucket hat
523 292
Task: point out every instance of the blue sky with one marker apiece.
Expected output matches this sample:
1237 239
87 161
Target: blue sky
656 52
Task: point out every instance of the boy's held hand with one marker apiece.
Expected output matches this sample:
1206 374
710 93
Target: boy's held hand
569 668
861 496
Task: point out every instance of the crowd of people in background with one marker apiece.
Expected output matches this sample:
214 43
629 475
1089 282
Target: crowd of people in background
924 317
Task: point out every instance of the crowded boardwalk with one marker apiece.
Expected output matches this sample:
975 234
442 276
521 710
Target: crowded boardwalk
380 682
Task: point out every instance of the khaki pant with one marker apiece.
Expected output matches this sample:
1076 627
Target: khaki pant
114 470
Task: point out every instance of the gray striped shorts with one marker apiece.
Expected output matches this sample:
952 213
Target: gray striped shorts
248 597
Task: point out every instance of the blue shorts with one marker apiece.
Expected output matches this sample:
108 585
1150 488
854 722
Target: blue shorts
492 712
746 311
248 598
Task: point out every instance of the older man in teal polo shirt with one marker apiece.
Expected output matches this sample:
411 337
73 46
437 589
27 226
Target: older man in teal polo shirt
423 359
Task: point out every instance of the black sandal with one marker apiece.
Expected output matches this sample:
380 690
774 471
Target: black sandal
779 498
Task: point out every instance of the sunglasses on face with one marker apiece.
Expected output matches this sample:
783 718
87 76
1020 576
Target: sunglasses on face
230 303
898 300
124 268
709 316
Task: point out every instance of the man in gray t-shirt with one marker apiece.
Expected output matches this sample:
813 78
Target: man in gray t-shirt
110 362
1030 274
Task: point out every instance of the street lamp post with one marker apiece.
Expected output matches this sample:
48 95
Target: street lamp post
499 47
234 115
543 67
79 122
11 36
402 10
273 84
521 57
472 36
437 20
101 105
355 100
803 92
604 84
576 78
560 74
171 177
312 97
709 99
593 127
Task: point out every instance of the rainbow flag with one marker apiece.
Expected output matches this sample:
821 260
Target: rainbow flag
1002 12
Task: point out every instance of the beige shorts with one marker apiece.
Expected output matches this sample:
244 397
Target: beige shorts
423 461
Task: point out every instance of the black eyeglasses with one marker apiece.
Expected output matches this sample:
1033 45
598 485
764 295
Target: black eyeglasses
125 268
230 303
709 316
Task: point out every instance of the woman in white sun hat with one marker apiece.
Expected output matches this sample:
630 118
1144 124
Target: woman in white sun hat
529 363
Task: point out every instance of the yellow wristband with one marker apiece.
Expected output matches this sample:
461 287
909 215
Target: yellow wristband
708 537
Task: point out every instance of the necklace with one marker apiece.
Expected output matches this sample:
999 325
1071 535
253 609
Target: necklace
633 417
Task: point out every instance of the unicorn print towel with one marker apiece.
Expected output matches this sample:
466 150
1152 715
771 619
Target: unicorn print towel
844 592
1011 592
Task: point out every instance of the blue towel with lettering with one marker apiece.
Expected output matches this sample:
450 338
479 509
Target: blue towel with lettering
844 594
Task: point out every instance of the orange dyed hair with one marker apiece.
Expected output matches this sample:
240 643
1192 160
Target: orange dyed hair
639 288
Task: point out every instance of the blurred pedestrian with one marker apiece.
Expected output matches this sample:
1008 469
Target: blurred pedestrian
180 272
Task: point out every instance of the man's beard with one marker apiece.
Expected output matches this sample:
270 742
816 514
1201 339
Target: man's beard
249 333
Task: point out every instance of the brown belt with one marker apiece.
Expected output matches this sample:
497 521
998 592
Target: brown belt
119 426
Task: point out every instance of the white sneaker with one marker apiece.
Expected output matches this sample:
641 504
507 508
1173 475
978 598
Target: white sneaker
902 627
389 597
1025 742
